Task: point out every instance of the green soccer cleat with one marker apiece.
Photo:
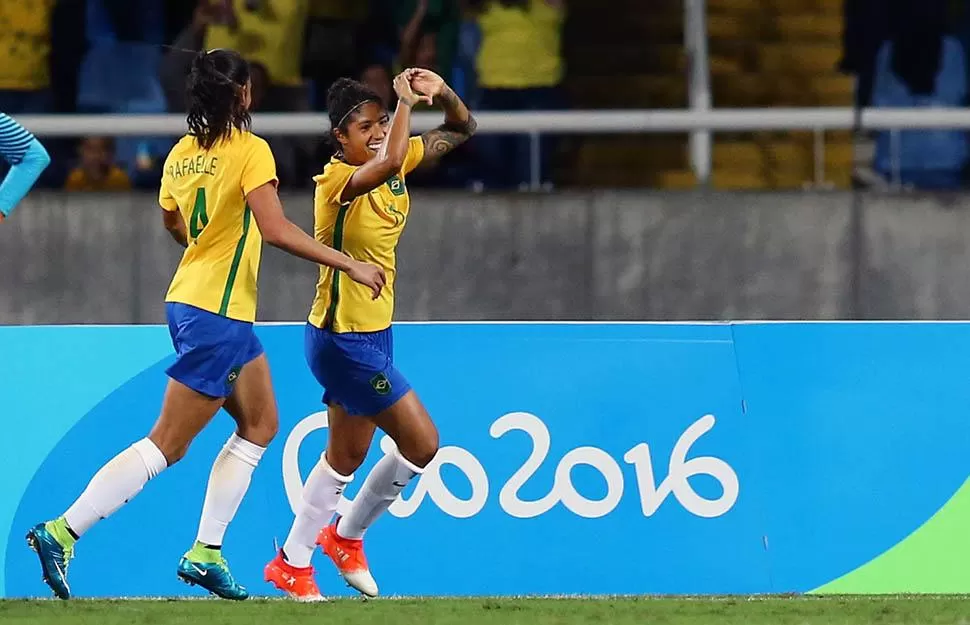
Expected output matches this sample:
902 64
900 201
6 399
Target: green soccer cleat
205 567
54 545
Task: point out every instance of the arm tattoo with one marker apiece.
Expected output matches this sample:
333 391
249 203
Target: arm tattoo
445 138
459 126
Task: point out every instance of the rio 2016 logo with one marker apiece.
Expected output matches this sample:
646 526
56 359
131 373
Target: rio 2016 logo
651 494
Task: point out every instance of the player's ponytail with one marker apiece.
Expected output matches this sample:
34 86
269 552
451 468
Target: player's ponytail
215 90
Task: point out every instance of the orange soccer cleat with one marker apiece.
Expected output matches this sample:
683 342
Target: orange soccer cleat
348 556
296 582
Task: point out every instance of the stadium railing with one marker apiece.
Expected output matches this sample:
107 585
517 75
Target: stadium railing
817 120
699 96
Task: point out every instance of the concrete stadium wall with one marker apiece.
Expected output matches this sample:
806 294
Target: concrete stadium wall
569 256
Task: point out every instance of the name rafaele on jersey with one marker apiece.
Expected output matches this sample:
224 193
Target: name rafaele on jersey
201 164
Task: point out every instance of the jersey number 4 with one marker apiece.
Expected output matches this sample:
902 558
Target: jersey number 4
199 219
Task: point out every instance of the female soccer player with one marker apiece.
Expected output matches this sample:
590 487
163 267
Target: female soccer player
28 159
361 206
216 180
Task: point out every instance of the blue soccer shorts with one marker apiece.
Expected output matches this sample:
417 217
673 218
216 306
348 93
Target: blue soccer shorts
356 369
211 349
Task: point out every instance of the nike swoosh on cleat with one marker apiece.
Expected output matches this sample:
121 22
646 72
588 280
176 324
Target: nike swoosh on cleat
198 570
399 484
63 578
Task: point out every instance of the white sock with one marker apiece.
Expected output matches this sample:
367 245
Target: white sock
228 481
115 484
321 493
386 481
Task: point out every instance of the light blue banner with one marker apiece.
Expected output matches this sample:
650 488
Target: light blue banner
577 458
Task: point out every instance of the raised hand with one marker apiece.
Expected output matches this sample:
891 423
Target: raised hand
405 94
426 82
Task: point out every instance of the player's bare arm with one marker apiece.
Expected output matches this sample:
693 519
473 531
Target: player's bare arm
459 125
176 227
282 233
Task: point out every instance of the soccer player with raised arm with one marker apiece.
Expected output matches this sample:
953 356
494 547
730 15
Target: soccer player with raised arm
219 200
361 206
27 158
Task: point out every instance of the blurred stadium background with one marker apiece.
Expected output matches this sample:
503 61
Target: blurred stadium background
685 159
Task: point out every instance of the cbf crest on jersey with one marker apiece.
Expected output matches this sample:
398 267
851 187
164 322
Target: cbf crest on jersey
396 185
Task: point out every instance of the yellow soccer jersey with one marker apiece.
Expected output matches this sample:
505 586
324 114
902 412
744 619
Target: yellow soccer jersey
367 228
220 266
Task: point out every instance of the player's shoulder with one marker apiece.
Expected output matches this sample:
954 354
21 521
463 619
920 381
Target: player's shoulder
184 145
249 140
255 138
334 167
244 146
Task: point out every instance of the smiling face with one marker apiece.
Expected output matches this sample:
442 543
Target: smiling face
361 135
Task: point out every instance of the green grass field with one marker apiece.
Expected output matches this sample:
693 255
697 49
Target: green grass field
923 610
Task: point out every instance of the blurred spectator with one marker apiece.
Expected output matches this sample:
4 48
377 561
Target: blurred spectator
25 42
119 75
97 170
334 42
419 40
519 68
464 77
121 66
175 64
68 47
922 66
426 31
270 34
378 77
178 13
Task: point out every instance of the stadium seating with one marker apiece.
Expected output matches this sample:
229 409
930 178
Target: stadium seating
762 53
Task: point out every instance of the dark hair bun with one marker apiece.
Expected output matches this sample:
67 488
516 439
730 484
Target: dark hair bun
200 61
344 96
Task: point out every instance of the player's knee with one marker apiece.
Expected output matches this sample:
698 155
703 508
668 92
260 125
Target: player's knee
262 432
259 425
345 457
422 450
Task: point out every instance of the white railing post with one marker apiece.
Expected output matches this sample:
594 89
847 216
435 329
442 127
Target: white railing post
698 84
